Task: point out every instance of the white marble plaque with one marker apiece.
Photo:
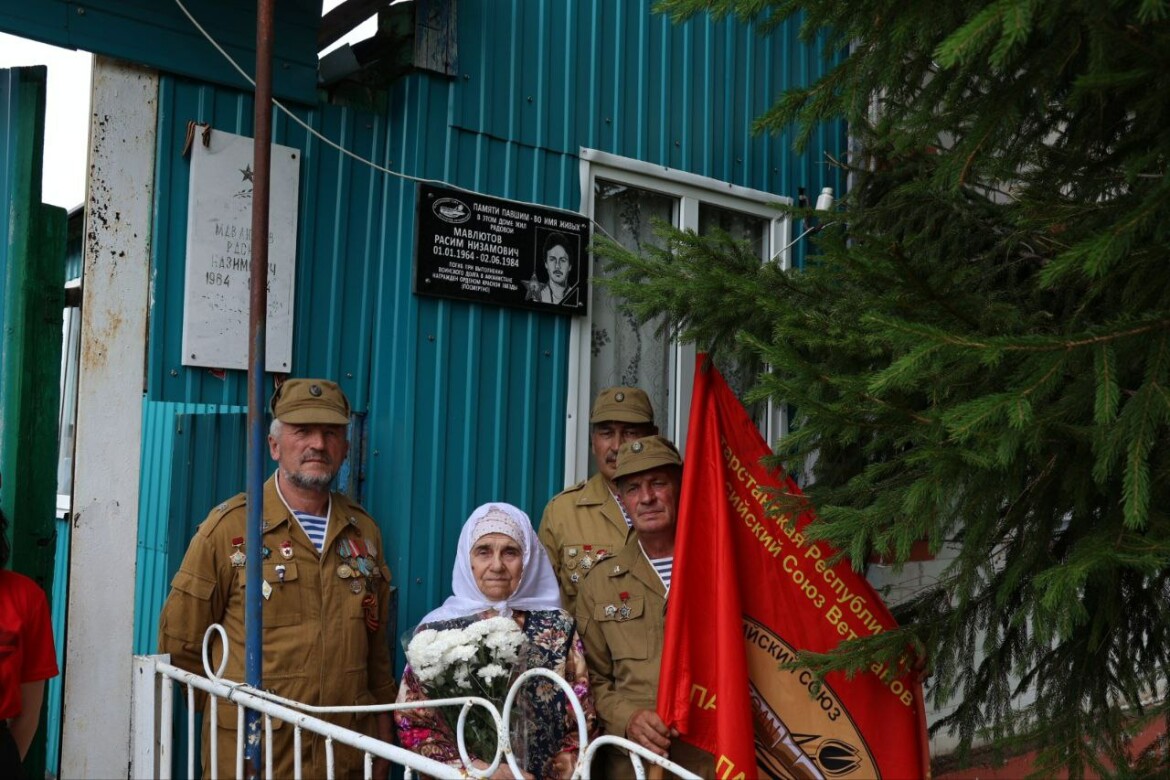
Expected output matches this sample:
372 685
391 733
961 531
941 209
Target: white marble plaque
219 253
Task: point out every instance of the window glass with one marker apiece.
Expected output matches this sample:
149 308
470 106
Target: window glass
626 197
622 352
740 226
754 230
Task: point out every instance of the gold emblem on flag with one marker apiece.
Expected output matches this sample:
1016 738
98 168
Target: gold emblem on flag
814 737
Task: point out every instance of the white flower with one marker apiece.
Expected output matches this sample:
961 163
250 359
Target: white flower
504 641
478 629
491 672
474 660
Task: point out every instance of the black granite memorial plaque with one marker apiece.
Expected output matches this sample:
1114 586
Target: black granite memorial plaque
478 248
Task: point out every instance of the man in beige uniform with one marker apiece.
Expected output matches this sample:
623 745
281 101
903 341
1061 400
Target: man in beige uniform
325 601
621 611
584 525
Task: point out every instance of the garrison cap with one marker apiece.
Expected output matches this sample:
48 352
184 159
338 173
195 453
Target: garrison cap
310 402
644 454
622 404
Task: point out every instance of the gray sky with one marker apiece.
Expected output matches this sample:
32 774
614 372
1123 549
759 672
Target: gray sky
66 115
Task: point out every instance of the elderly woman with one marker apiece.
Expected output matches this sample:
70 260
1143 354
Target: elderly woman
502 570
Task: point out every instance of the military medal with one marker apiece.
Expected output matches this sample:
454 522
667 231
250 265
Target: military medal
266 589
344 571
625 609
572 552
238 558
280 570
600 554
360 559
357 585
586 559
286 550
610 610
265 553
575 577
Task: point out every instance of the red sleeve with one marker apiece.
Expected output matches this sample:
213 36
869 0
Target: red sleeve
40 657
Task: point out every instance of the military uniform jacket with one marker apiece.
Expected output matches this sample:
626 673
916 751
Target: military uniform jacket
621 617
580 527
318 648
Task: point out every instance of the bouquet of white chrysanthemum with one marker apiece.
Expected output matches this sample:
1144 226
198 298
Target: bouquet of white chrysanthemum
478 660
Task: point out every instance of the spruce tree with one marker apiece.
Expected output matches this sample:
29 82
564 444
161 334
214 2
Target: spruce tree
977 351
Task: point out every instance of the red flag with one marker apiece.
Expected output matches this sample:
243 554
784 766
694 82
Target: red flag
748 592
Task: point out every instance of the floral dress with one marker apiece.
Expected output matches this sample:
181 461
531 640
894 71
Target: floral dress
547 724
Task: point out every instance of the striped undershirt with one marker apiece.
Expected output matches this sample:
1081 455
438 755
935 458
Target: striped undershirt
663 567
622 507
314 526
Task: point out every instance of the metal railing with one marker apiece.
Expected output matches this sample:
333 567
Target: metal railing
152 728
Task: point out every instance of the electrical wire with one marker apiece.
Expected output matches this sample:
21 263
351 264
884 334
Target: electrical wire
792 243
333 144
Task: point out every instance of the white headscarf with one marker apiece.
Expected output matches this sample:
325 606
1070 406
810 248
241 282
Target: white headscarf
538 587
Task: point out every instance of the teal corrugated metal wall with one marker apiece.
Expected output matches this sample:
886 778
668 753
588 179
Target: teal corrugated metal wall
54 689
190 452
538 80
464 402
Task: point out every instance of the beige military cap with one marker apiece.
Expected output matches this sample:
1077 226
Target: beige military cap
309 402
622 404
645 454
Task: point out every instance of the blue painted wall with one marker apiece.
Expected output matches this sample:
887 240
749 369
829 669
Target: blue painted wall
461 403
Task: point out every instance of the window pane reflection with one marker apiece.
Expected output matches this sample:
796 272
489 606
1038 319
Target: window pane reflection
624 353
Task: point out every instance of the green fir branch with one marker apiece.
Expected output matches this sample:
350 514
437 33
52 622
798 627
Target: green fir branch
977 350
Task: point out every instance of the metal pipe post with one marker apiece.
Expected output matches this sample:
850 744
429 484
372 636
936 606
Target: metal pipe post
257 333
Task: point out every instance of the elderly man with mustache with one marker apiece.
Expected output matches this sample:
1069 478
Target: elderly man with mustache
326 589
584 524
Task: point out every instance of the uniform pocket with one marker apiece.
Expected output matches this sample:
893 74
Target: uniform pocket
624 626
197 587
283 605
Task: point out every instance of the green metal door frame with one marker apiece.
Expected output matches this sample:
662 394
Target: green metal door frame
32 295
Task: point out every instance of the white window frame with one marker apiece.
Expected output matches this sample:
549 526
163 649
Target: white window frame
690 189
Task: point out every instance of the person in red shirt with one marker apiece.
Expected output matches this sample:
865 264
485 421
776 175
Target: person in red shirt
27 659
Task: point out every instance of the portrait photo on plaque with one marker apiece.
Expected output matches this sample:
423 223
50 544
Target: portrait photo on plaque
556 269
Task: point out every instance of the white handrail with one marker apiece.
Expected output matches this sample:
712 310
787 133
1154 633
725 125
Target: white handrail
247 697
301 716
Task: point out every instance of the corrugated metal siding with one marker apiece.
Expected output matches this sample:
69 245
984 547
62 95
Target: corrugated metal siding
538 80
615 77
339 231
193 458
465 403
58 603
